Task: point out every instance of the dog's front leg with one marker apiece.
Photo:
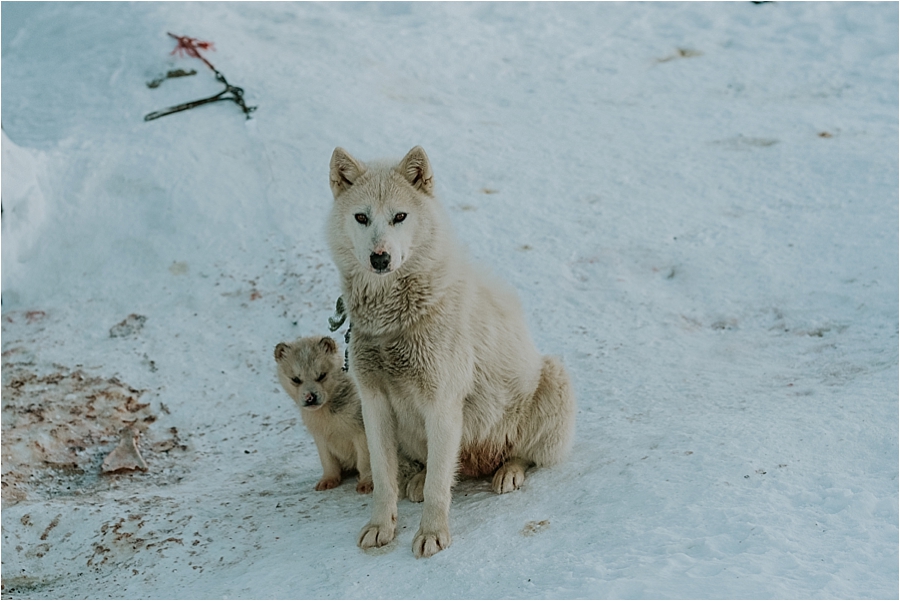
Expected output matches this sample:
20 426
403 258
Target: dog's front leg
382 436
443 428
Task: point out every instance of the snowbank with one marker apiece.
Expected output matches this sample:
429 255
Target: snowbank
24 205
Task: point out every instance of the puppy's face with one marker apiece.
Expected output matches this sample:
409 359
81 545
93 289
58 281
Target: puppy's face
306 369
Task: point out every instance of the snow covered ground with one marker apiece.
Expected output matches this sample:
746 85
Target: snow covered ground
698 204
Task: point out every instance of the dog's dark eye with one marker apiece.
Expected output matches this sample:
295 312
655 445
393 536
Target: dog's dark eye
297 381
321 377
361 218
399 217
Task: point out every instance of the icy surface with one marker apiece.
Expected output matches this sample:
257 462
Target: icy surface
698 204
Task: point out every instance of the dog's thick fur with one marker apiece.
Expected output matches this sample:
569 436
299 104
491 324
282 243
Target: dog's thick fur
446 369
310 371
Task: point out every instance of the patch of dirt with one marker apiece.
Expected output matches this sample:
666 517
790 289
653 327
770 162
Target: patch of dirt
535 527
126 536
57 429
129 326
741 142
680 53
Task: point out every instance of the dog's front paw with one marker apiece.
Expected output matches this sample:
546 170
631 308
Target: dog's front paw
426 544
364 487
509 477
328 483
415 490
375 535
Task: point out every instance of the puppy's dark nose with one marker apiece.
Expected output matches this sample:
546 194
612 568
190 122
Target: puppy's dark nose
311 399
380 262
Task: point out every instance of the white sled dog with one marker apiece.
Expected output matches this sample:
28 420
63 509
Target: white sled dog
445 367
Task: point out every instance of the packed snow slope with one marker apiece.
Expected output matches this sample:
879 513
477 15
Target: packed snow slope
698 204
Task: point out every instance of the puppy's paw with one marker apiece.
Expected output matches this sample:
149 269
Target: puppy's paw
328 483
375 535
426 544
415 490
364 487
509 477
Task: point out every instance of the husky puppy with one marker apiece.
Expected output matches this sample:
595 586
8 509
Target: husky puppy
310 371
446 370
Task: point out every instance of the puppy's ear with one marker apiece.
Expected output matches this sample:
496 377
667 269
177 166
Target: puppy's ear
416 169
345 170
328 344
281 350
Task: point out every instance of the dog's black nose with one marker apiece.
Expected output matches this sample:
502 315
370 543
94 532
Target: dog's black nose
311 399
380 262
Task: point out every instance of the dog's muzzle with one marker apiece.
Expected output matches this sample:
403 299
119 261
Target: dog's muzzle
380 262
310 400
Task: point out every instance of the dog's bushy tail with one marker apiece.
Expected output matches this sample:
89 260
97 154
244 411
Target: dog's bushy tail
548 426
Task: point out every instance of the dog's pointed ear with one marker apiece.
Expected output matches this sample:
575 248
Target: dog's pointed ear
328 344
281 350
345 170
416 169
